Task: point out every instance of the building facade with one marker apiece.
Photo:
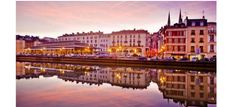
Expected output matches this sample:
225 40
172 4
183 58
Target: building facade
189 38
25 42
129 42
212 39
190 88
60 48
93 39
197 31
20 45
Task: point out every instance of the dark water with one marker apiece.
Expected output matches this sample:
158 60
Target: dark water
66 85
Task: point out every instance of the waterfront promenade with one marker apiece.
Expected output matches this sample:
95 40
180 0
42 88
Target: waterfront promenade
203 66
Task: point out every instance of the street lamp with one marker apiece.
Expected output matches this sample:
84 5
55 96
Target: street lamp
109 50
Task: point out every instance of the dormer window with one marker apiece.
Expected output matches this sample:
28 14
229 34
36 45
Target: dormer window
193 23
202 24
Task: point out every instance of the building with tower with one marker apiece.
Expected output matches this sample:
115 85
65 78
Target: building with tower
189 38
174 38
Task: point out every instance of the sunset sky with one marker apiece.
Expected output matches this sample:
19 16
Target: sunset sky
52 19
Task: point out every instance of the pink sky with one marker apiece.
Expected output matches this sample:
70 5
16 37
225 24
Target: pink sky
52 19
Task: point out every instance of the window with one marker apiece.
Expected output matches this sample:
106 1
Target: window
201 40
192 32
193 23
192 40
138 43
176 40
211 80
201 49
169 40
178 48
201 95
192 49
202 24
192 78
201 78
192 87
192 94
201 87
181 40
211 48
211 38
182 48
201 32
178 78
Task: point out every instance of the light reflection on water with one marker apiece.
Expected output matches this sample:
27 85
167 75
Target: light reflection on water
66 85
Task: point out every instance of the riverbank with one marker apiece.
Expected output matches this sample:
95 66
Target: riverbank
199 66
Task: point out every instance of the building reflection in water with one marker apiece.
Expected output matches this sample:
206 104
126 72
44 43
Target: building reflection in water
188 88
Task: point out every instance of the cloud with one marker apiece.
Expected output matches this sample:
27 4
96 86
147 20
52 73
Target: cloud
47 17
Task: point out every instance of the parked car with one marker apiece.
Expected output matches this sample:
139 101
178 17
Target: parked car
194 59
154 59
204 60
183 59
213 59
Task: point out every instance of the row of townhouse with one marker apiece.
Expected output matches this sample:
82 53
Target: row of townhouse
189 38
124 42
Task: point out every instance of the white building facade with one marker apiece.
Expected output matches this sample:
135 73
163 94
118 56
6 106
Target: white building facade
93 39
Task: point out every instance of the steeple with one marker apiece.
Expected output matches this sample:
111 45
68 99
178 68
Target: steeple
203 13
180 17
169 20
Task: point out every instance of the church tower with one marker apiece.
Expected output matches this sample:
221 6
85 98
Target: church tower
180 17
169 20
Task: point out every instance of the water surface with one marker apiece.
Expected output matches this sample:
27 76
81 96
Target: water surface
68 85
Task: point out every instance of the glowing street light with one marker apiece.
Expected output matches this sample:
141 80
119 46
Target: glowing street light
118 76
135 50
109 50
